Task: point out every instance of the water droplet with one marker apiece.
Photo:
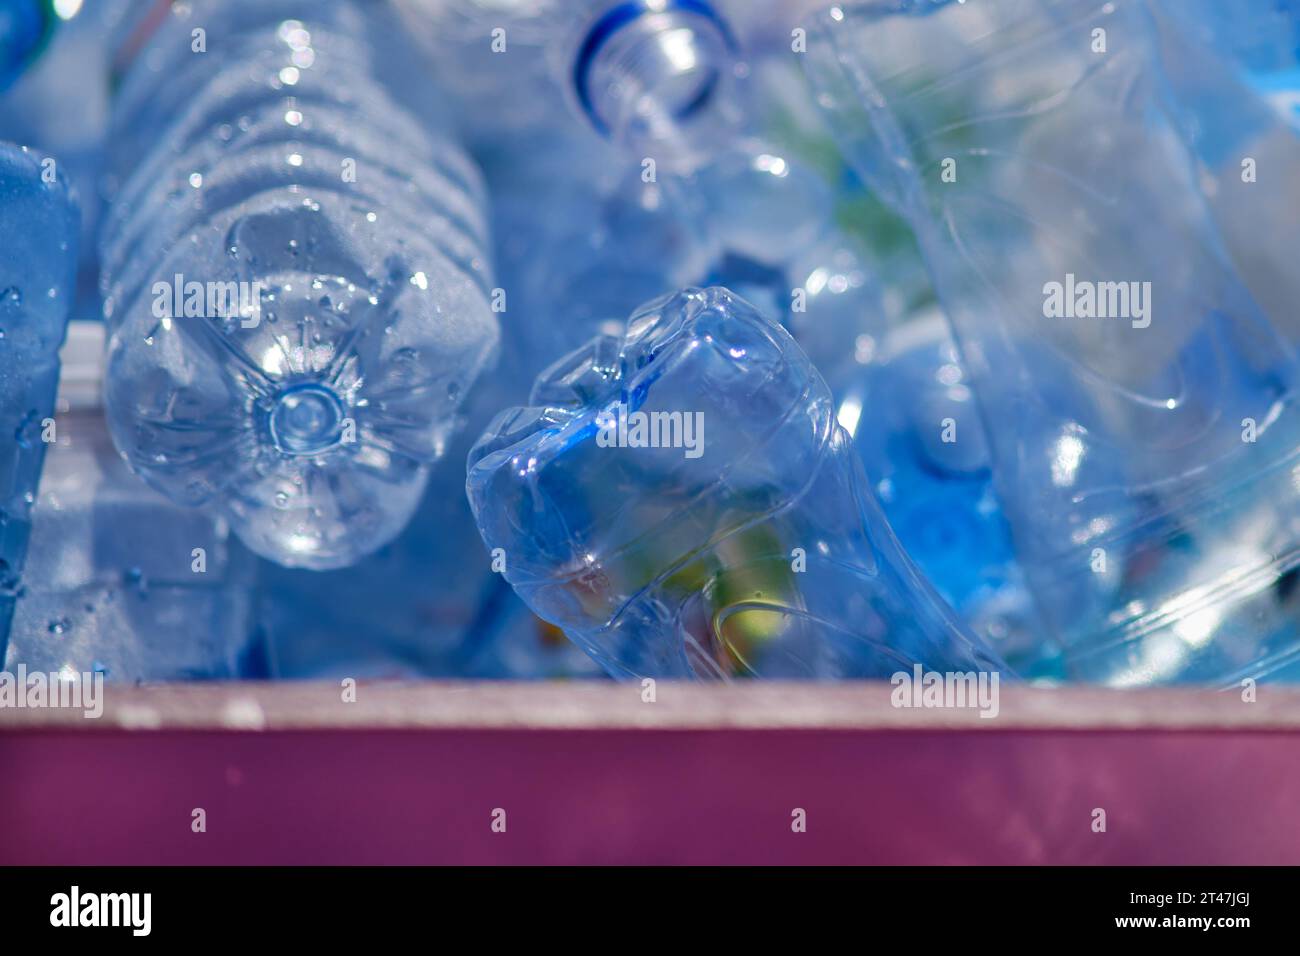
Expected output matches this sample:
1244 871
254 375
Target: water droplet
60 626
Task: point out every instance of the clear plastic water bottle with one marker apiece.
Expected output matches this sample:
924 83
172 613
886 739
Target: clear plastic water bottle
295 275
622 175
589 217
656 79
587 231
682 503
38 260
120 580
1140 405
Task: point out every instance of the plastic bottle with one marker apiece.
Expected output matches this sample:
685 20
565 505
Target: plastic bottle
640 161
295 275
38 258
120 580
741 542
589 218
653 78
580 239
1140 406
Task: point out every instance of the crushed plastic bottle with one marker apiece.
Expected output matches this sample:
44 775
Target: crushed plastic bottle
38 259
295 276
759 219
682 503
1140 405
119 580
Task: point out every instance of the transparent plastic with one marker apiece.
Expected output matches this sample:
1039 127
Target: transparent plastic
1243 147
656 78
38 261
120 580
752 549
294 273
916 426
1143 436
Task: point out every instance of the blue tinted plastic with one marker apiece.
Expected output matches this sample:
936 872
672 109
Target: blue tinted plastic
295 275
119 579
742 540
1140 404
38 260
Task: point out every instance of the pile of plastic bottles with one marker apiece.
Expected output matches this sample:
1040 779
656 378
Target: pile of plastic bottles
705 339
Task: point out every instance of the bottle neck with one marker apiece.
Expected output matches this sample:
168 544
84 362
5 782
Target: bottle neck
650 75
